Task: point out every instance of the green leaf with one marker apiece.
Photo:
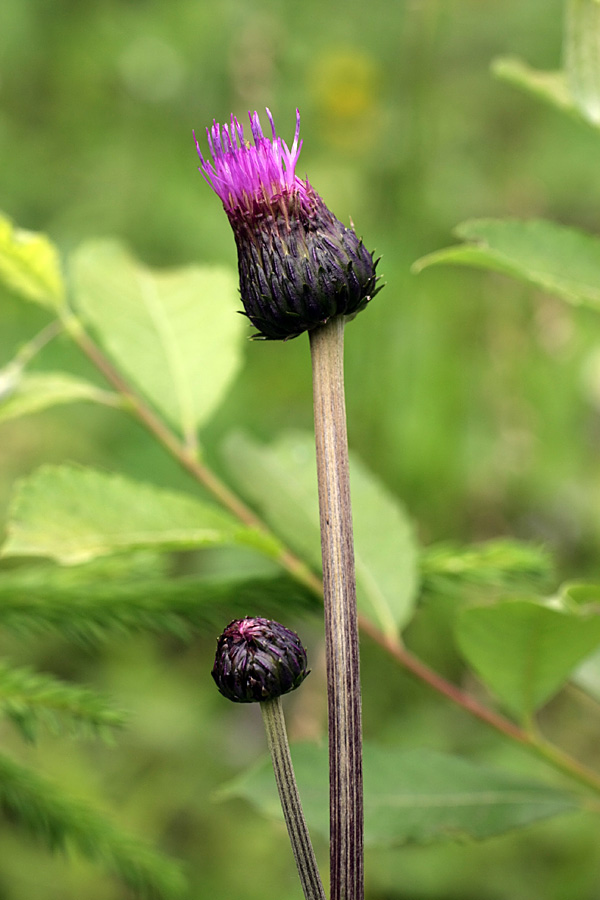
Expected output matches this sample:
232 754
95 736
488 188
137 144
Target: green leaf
282 480
580 594
45 812
550 87
560 260
587 675
30 699
387 571
29 266
525 651
175 334
574 90
411 796
25 394
73 514
582 56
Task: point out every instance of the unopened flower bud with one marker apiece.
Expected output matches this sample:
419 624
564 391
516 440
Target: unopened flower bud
257 660
299 266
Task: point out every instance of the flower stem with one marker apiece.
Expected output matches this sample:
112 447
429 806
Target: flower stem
272 713
189 461
137 406
341 622
37 343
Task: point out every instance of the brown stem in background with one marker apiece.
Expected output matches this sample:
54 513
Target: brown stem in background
186 458
299 570
341 620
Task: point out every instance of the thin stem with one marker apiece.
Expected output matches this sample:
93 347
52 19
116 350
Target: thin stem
529 739
341 621
299 570
439 684
279 748
186 458
11 373
560 760
37 343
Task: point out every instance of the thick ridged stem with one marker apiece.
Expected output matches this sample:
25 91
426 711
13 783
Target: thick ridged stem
272 712
341 624
299 570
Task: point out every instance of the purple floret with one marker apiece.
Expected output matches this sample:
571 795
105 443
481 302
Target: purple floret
240 172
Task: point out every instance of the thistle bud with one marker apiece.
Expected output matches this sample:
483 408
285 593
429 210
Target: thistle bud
299 266
257 660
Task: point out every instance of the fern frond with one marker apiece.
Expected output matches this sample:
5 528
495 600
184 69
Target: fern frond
503 564
43 599
42 810
30 699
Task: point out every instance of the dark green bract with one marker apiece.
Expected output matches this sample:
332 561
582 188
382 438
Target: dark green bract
299 266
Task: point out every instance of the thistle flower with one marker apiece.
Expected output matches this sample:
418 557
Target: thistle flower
299 266
258 660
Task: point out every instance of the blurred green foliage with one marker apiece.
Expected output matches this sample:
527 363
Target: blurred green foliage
475 399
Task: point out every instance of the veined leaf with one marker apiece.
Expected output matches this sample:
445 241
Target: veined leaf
175 334
556 259
29 266
73 515
281 478
33 393
411 796
524 650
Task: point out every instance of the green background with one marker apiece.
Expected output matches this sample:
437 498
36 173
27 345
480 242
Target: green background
474 398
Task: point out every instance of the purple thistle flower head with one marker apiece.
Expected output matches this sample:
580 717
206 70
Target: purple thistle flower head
258 660
298 264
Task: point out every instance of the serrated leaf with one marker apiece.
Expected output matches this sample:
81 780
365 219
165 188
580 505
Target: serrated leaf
175 334
524 650
556 259
281 479
411 796
29 266
73 515
32 393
